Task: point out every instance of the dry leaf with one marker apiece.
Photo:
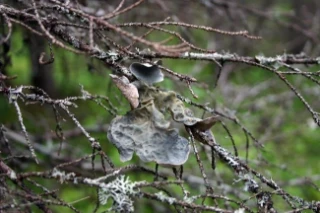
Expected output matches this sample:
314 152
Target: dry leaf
129 90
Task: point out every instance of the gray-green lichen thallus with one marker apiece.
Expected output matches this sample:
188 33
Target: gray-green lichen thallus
146 129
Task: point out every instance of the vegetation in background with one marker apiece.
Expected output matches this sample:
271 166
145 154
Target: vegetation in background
254 65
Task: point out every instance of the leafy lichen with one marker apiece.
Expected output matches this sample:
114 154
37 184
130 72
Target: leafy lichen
146 130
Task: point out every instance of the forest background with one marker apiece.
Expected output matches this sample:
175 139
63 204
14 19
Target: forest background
254 64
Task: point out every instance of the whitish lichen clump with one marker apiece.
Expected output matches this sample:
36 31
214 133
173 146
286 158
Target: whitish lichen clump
119 191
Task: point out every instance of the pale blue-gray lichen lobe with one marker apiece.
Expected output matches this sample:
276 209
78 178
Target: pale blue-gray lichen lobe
148 73
145 131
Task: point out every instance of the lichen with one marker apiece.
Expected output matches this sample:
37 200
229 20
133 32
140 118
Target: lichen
148 73
146 131
119 191
164 198
62 176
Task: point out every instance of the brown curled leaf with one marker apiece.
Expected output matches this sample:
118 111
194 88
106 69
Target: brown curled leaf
128 90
